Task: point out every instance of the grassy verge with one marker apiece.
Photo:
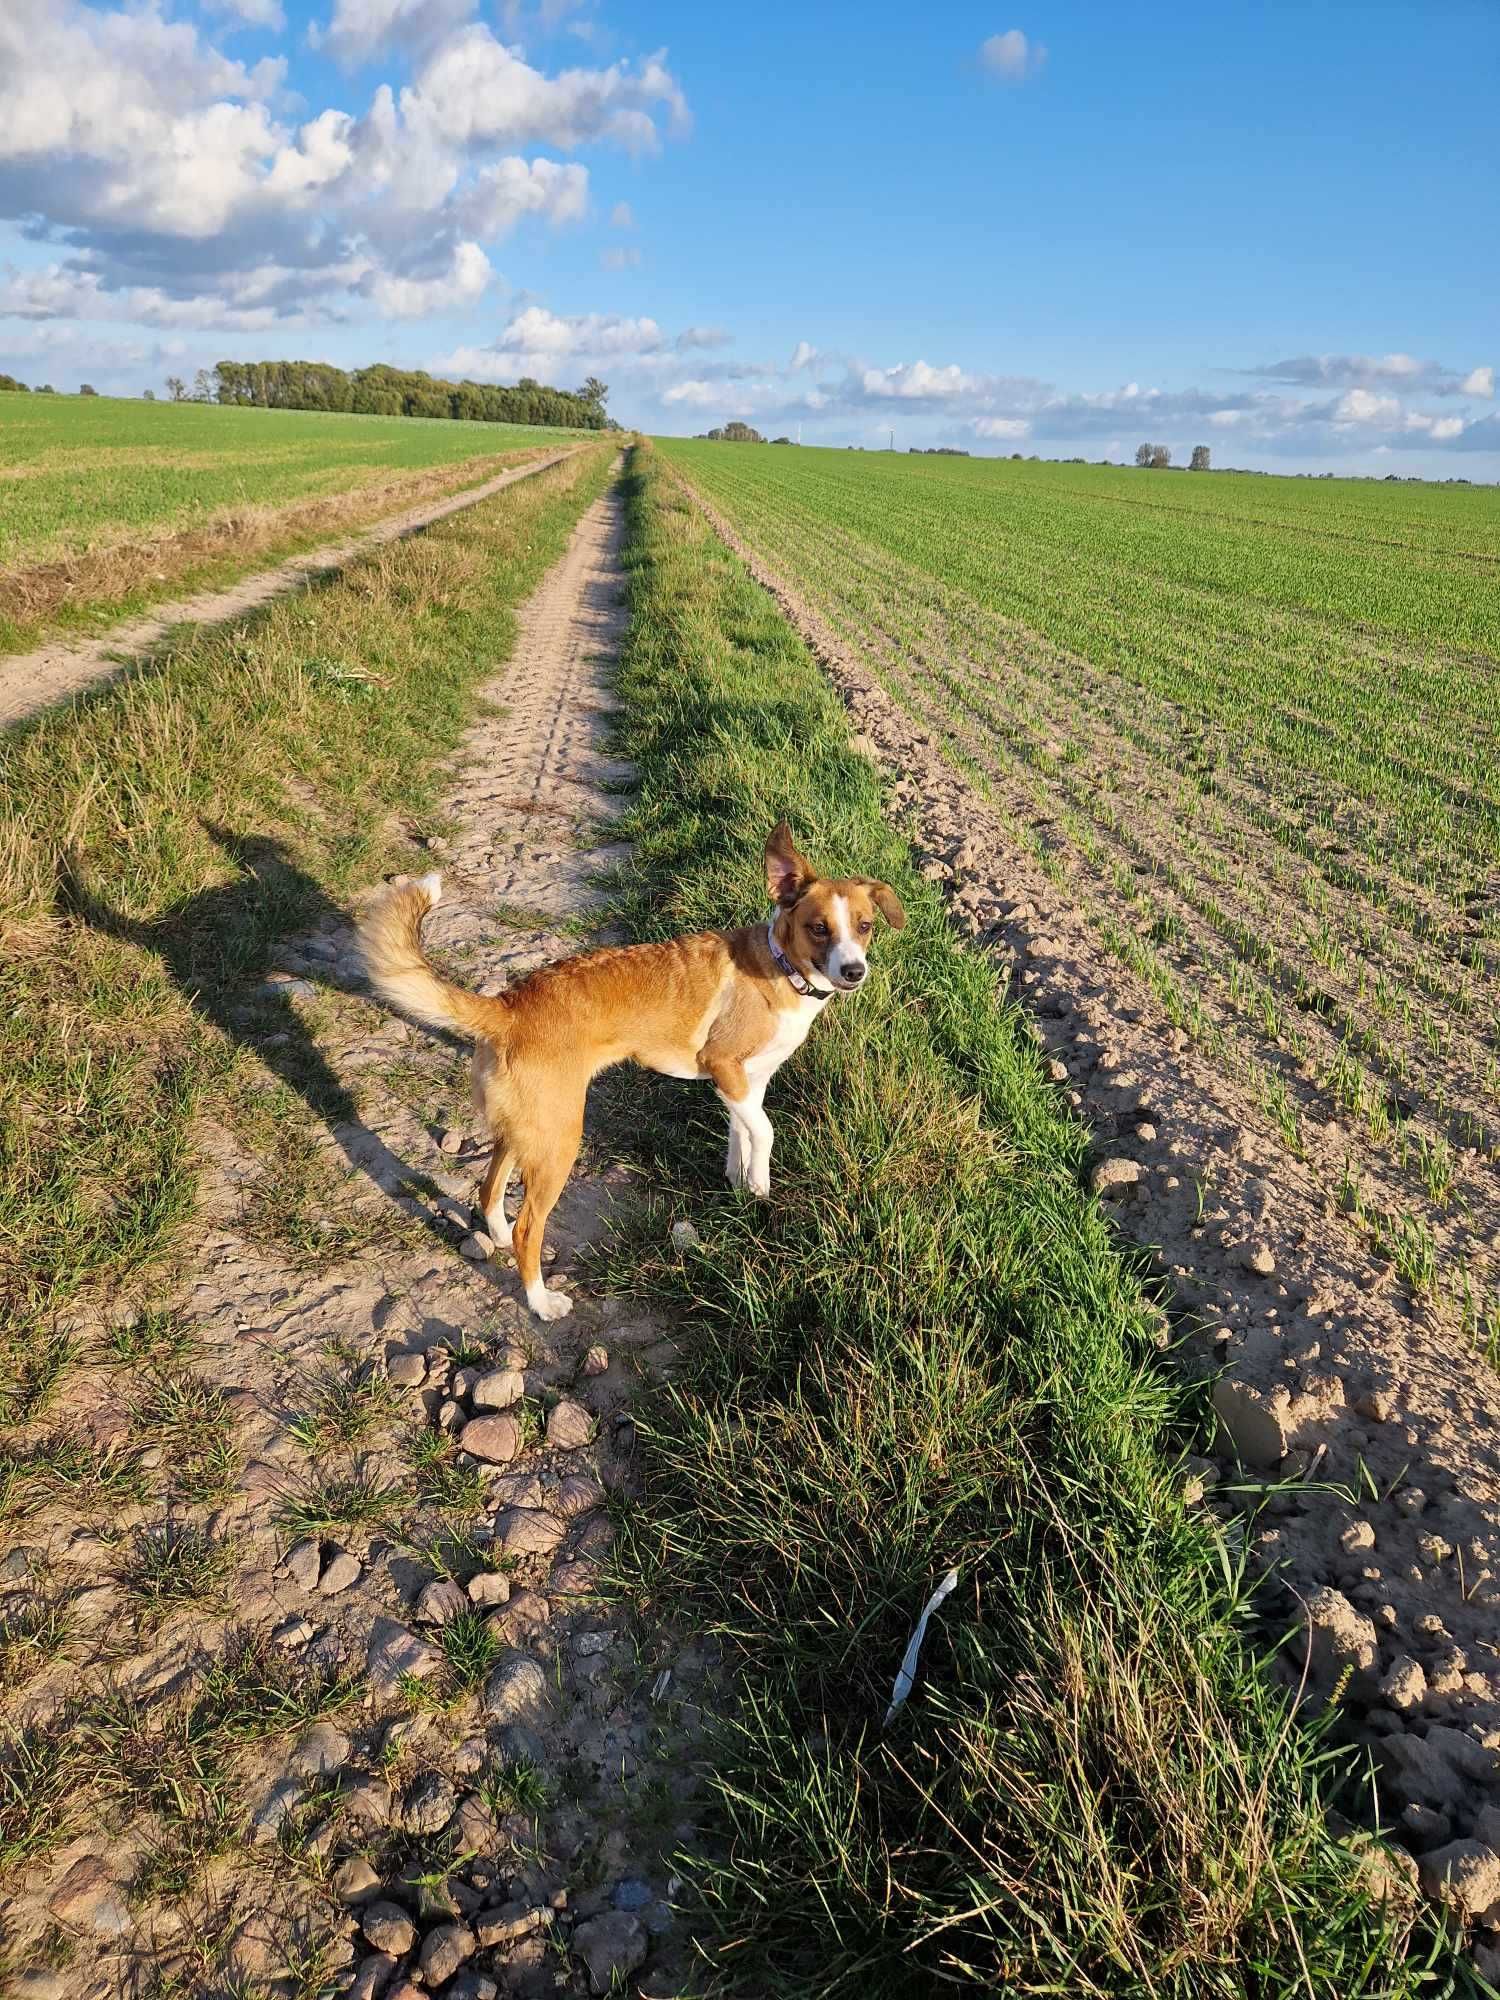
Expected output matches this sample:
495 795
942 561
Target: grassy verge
158 837
927 1354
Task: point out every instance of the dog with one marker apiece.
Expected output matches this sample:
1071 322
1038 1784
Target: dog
727 1007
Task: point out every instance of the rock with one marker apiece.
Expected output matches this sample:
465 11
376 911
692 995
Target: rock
569 1426
1465 1875
515 1690
527 1531
355 1881
611 1946
1258 1259
578 1494
498 1389
394 1651
1253 1425
578 1578
489 1587
472 1828
470 1985
588 1645
451 1142
439 1601
1340 1637
342 1570
444 1951
631 1893
1379 1405
293 1633
596 1361
496 1440
527 1612
509 1922
279 1801
1114 1176
388 1928
367 1803
40 1983
517 1743
302 1563
371 1977
322 1751
1358 1535
685 1236
1405 1685
478 1248
429 1803
88 1898
407 1371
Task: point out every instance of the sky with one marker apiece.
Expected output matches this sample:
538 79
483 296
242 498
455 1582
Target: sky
1270 228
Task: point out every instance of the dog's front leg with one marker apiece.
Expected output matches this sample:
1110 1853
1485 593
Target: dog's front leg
733 1172
755 1140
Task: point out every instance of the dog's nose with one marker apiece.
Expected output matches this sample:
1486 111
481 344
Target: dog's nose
854 973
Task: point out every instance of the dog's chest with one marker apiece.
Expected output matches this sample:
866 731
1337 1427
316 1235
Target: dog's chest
790 1032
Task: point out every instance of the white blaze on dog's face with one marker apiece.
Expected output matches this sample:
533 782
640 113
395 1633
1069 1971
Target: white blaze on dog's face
827 926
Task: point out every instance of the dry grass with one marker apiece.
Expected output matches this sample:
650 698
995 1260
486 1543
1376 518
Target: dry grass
118 569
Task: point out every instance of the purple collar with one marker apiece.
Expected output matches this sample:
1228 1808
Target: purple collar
785 966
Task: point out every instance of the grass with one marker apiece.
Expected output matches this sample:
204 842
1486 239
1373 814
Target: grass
156 840
927 1354
111 504
175 1566
1175 694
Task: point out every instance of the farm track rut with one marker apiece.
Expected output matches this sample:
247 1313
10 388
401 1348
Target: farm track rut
1360 1435
521 1827
33 681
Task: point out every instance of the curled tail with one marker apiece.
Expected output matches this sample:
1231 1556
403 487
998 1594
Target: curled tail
390 937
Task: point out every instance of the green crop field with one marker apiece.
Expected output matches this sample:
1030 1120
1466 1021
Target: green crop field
105 503
1255 725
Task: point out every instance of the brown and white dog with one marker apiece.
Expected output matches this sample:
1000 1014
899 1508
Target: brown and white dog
725 1006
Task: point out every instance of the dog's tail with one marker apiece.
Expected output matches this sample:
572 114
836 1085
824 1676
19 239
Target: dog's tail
390 939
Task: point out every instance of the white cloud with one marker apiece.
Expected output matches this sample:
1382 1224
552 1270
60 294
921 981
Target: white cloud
1000 427
704 336
253 13
1011 56
172 175
1362 406
1479 382
623 257
621 216
916 381
804 354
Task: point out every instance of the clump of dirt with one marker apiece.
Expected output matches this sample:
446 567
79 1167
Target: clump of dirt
1361 1436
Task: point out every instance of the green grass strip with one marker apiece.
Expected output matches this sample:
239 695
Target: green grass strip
924 1353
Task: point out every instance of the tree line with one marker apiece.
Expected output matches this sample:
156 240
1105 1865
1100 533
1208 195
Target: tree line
1160 456
382 391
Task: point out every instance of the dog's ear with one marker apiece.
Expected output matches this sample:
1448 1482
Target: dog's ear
787 873
886 901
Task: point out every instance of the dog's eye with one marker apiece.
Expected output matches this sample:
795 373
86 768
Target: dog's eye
819 930
865 927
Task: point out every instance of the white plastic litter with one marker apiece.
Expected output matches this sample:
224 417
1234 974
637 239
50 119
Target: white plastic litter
908 1672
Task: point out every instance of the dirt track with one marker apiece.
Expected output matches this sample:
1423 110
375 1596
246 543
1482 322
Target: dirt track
543 1805
30 682
1368 1434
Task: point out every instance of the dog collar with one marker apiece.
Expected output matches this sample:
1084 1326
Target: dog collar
785 966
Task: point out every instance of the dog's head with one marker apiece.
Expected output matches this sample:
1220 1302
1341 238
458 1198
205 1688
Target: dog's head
824 927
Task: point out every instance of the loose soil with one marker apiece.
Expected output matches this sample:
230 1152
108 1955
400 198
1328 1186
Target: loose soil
30 682
1359 1436
513 1817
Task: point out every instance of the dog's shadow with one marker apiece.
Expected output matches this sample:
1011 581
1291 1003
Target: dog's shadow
217 948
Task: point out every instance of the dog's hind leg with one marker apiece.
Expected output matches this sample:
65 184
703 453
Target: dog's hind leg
492 1188
545 1171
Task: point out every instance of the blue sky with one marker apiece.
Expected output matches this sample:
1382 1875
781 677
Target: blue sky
1269 228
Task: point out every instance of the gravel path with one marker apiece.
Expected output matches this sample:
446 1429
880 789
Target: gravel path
30 682
493 1763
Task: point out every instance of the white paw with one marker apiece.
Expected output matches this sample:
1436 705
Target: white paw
550 1305
759 1183
498 1231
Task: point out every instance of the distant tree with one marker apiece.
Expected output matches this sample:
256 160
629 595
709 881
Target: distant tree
716 435
8 383
87 389
738 433
45 389
781 440
1200 459
148 395
203 387
1143 454
594 392
177 388
1153 454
